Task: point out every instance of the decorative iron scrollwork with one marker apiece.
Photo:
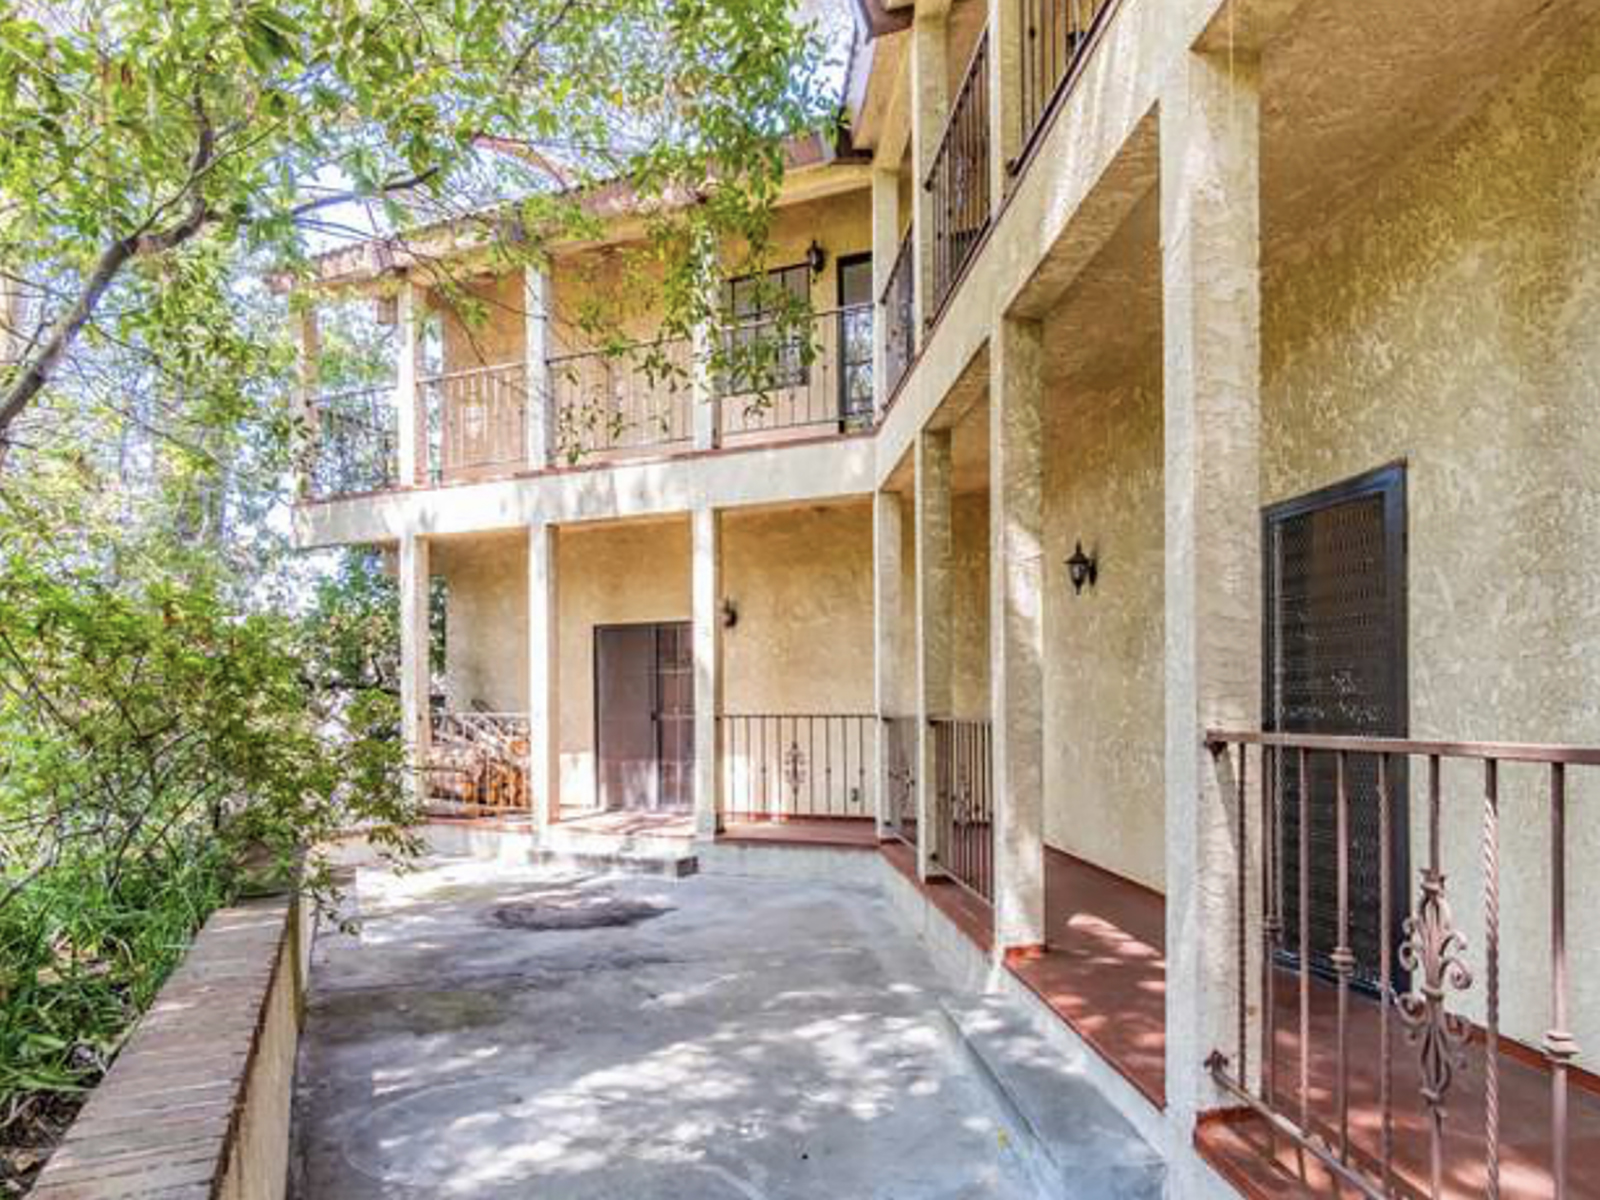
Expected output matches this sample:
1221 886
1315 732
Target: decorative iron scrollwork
1433 951
794 771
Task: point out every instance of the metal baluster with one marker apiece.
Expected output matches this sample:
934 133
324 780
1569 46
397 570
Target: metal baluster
1271 926
1241 889
1385 972
1559 1045
1343 959
1491 949
1304 879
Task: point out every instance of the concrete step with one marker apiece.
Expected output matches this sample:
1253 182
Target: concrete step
667 864
1075 1142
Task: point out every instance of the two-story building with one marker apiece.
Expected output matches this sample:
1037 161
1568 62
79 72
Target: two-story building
1175 544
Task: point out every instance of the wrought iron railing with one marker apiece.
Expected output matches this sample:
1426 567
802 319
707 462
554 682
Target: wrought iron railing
900 775
963 790
355 442
639 397
476 421
479 760
1330 958
959 181
900 317
810 374
1057 36
776 767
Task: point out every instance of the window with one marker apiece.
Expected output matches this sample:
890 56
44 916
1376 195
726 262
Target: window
855 339
758 354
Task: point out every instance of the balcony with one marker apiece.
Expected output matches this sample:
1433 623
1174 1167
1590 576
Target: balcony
1057 36
780 383
959 182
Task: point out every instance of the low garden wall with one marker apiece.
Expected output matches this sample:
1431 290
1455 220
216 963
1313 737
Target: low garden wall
197 1103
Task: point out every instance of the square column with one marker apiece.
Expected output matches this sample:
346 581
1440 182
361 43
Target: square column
308 433
1016 630
935 618
706 407
544 675
411 434
1210 235
538 423
415 669
886 578
930 107
885 246
706 591
1007 30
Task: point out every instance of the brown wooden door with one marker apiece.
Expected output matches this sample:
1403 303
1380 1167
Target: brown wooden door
1335 659
644 717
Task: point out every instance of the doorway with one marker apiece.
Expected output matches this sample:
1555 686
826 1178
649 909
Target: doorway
1335 664
644 717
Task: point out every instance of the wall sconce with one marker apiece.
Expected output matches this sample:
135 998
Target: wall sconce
816 257
730 614
1082 569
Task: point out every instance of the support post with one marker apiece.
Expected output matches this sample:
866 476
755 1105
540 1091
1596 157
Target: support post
308 430
1210 234
935 547
707 419
538 420
415 672
1016 630
886 580
544 675
1007 31
706 587
930 108
885 247
411 436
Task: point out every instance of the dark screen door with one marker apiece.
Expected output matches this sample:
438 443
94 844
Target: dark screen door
855 339
644 717
1335 656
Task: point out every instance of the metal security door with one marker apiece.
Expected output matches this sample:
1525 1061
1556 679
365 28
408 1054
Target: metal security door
674 685
1335 658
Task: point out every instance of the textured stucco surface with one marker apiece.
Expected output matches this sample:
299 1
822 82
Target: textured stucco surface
969 600
486 621
1452 323
609 575
802 582
1103 660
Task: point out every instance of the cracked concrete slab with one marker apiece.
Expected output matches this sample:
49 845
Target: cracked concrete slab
750 1039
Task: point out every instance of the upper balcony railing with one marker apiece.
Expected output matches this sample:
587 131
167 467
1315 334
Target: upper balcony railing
608 402
959 182
1056 38
772 381
476 421
900 316
1352 956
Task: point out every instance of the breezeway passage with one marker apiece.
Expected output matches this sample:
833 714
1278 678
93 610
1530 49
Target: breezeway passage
505 1032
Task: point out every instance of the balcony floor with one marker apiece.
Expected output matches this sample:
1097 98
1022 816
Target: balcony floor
1238 1144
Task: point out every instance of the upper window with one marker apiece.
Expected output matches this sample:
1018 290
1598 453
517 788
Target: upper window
764 349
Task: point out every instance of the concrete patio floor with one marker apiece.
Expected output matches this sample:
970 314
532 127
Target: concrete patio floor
739 1038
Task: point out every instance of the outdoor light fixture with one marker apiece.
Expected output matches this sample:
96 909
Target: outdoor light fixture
730 614
1082 569
816 257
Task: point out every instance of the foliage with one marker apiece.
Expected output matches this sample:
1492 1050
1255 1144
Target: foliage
144 143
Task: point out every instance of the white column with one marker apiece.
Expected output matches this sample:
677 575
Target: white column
702 389
706 588
411 433
1210 233
886 580
1007 30
1016 630
930 106
885 246
544 674
536 354
415 673
934 542
308 432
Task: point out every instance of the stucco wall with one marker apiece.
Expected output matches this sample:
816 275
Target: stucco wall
802 582
1104 718
486 621
609 575
970 605
1452 324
